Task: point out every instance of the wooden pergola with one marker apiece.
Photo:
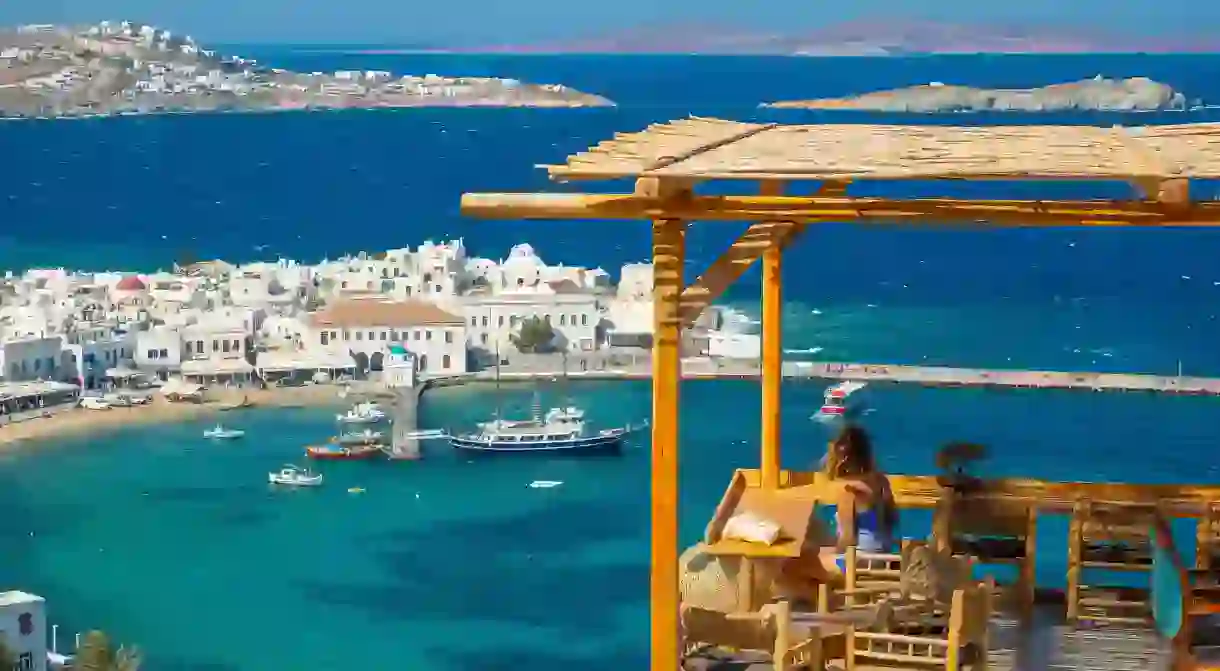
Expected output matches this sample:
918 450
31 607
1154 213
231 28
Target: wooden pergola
669 160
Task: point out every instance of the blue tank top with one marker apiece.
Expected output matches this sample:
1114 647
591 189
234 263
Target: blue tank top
871 534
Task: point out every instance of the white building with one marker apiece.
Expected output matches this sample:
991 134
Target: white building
492 319
217 347
366 328
23 626
159 351
400 368
30 358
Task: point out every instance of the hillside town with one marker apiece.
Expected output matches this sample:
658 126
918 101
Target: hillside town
285 322
131 68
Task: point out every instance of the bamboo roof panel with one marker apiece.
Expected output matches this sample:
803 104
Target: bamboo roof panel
702 148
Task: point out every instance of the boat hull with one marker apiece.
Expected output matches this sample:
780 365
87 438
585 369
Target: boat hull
608 443
349 454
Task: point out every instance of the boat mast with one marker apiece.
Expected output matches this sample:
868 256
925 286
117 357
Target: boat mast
499 399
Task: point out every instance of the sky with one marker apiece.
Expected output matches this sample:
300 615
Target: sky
491 22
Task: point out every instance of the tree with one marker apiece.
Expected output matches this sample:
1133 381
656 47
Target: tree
535 336
8 660
96 654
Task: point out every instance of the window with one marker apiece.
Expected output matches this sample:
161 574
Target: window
423 362
417 335
384 334
408 291
584 320
448 337
199 347
501 320
520 282
372 335
25 662
427 278
445 362
344 285
152 354
346 334
427 335
225 347
439 289
483 338
563 320
572 320
546 318
215 345
164 354
484 322
474 321
237 345
359 335
512 321
325 338
189 343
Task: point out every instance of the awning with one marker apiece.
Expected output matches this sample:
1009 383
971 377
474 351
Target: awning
122 373
287 361
216 367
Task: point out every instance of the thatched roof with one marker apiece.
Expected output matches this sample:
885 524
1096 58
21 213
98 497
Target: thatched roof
717 149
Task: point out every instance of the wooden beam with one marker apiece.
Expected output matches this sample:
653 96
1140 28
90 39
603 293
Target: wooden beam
817 209
668 258
771 370
734 262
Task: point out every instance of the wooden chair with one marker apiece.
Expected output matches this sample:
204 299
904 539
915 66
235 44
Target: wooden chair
993 531
954 639
1105 538
768 631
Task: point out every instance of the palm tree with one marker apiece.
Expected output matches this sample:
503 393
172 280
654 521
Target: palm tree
95 653
8 659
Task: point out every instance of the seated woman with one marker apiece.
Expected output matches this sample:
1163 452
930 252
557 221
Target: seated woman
865 514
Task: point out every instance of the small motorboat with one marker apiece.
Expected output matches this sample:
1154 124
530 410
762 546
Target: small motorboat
335 452
545 484
295 476
220 433
840 402
363 413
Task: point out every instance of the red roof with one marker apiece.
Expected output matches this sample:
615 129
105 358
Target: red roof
131 283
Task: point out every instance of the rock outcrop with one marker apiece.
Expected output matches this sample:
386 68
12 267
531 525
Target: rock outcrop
1137 94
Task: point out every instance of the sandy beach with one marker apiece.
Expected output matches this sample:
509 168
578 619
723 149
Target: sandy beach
77 421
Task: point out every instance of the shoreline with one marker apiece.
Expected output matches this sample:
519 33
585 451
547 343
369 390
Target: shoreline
473 104
70 422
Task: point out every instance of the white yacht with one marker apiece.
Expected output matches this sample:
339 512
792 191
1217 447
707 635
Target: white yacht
220 433
363 413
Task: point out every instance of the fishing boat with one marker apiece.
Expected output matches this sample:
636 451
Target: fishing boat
295 476
218 432
334 452
365 437
362 413
838 403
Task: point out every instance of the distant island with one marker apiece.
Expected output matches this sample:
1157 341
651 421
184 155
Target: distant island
1137 94
130 68
867 37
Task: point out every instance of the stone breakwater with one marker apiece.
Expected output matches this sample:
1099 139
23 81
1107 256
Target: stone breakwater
1137 94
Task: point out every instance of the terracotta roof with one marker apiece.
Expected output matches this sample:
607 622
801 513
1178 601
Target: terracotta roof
131 283
383 313
565 287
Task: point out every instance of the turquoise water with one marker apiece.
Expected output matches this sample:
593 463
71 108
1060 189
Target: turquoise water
177 543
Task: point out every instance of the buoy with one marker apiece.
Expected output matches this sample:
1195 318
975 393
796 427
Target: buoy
355 490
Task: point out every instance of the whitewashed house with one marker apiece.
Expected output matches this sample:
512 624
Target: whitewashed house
492 319
158 351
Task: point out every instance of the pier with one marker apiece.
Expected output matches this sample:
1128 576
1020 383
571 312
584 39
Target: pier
405 439
928 376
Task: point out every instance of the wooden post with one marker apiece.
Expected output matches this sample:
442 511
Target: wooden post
668 251
772 373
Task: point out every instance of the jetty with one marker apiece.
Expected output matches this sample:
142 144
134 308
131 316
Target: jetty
815 624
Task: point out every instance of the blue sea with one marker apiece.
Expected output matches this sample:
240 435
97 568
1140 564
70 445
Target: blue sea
176 545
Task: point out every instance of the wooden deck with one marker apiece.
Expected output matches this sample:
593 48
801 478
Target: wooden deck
1047 645
938 376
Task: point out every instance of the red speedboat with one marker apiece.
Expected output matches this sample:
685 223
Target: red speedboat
342 452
